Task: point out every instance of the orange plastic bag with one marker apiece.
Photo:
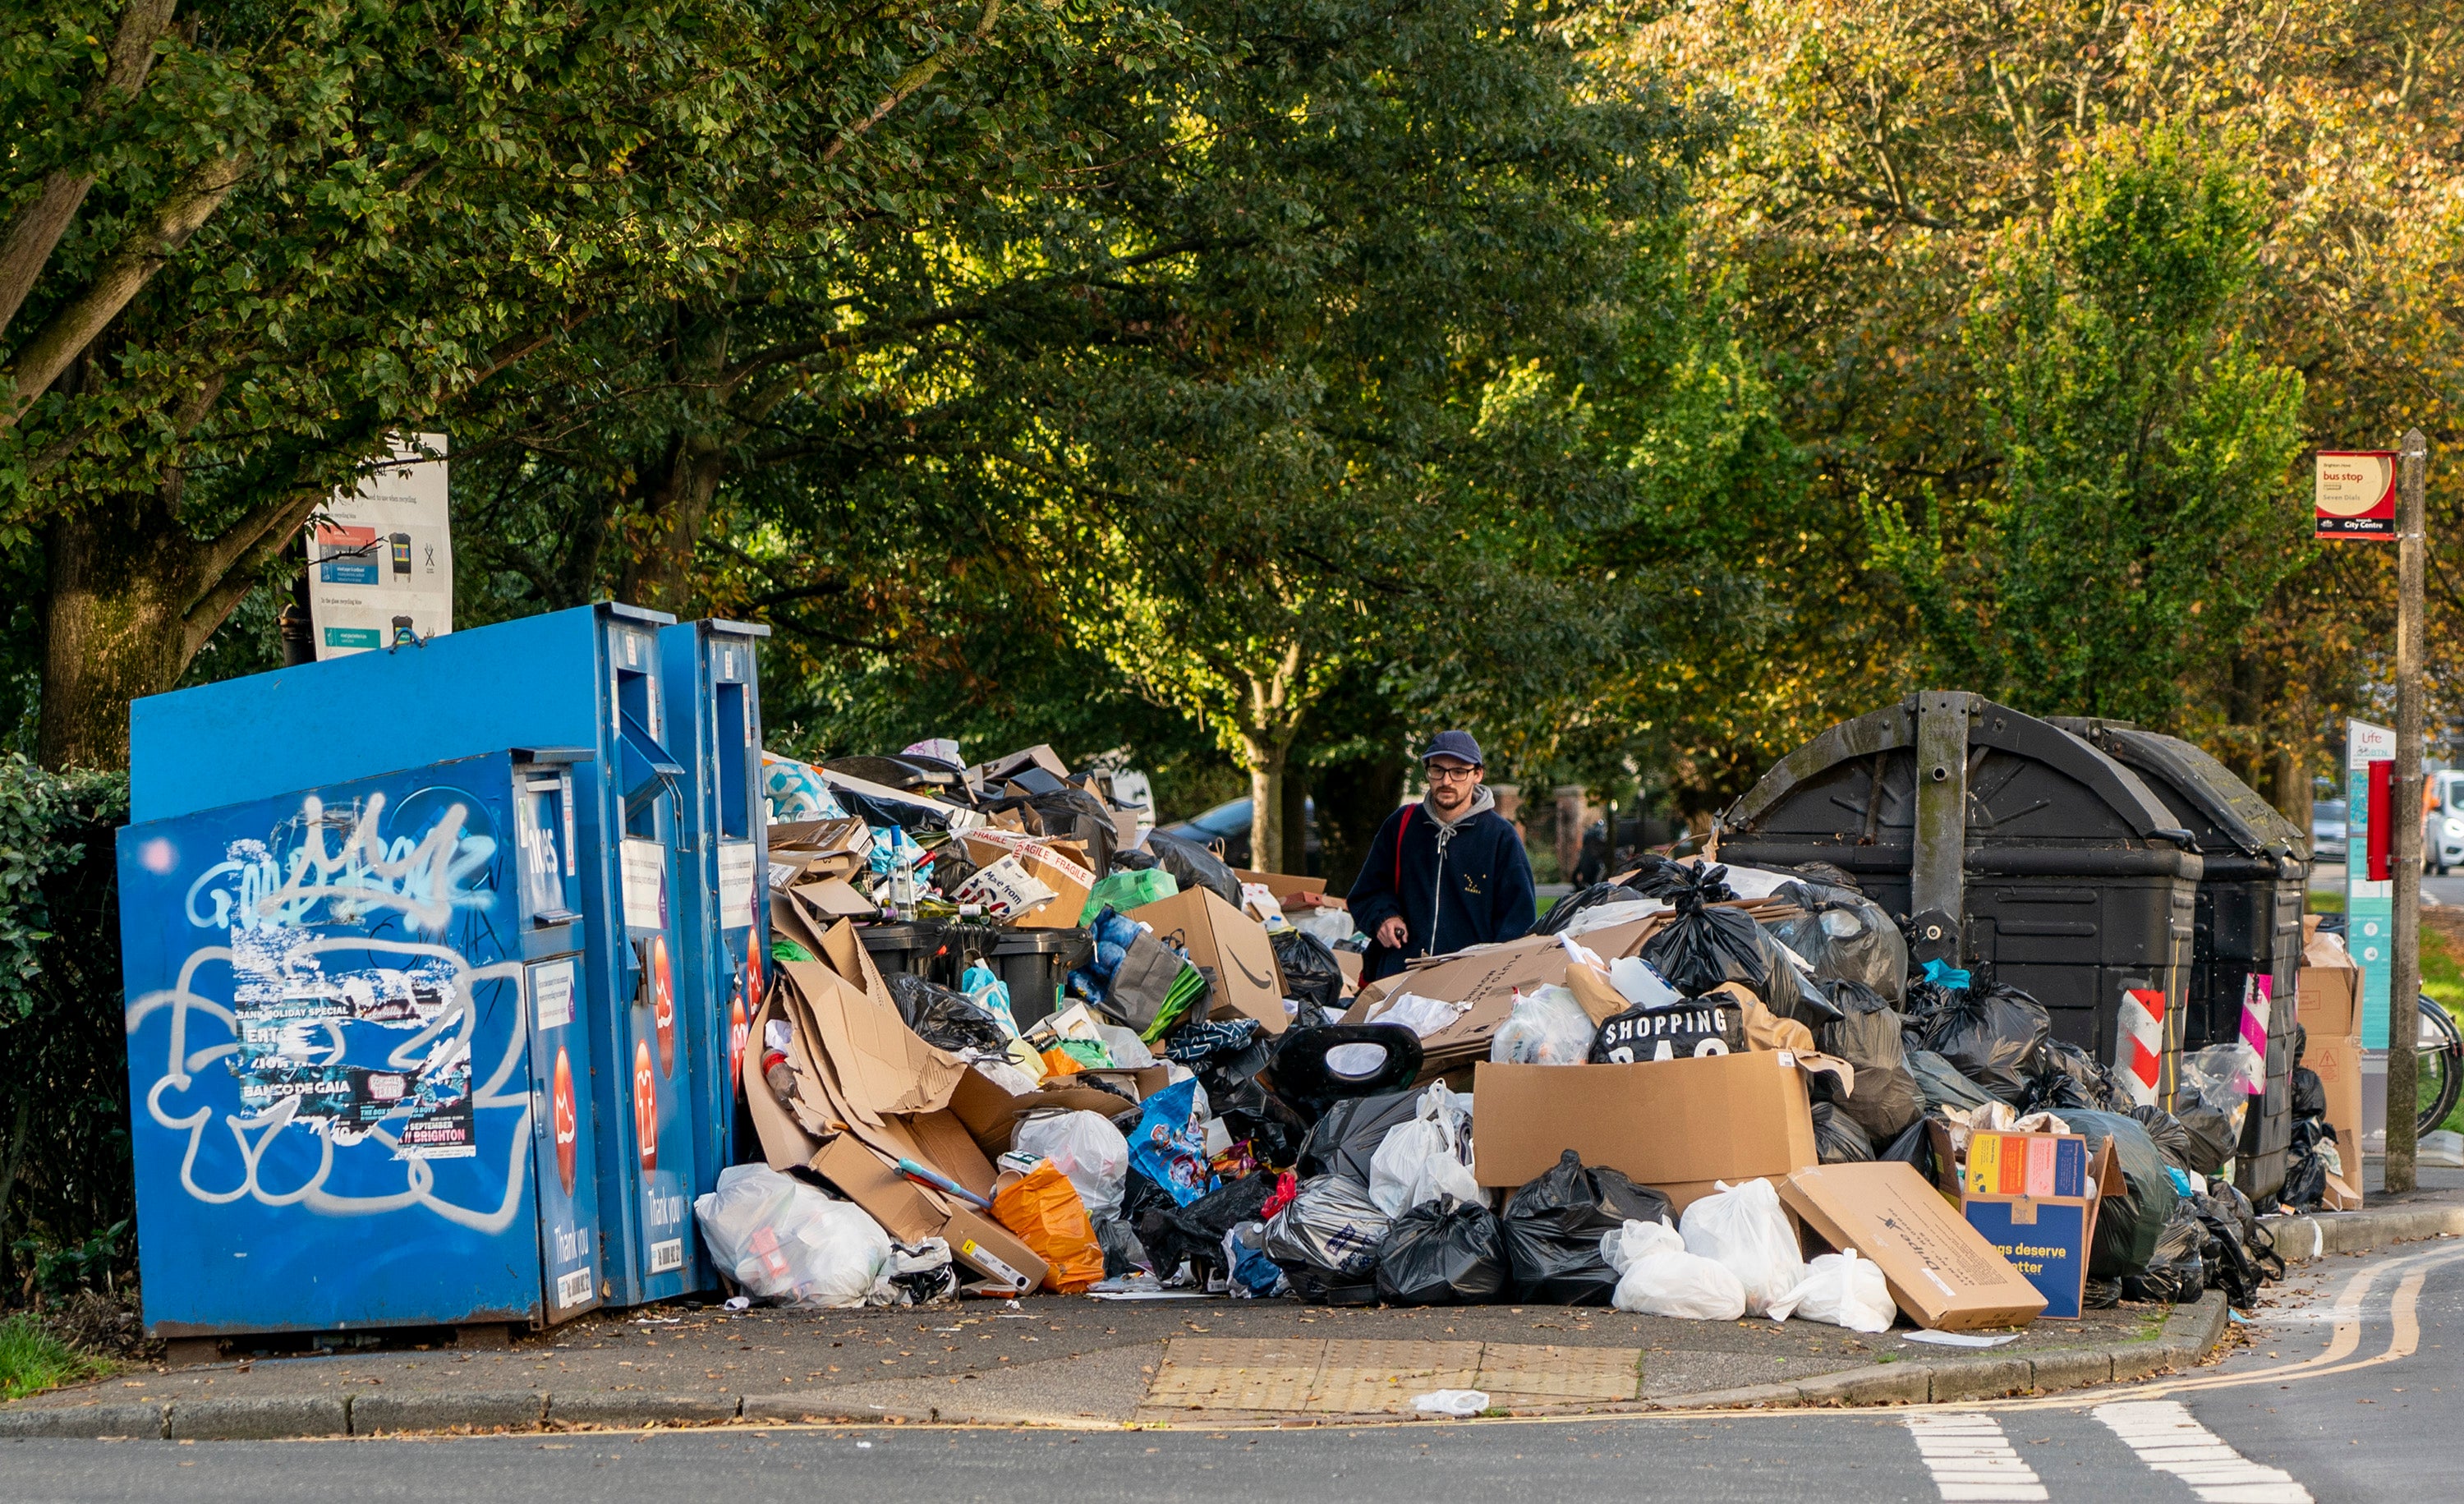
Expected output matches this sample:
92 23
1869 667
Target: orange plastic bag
1043 1210
1060 1062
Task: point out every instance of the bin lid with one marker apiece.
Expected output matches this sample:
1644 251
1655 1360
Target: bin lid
1992 728
2232 812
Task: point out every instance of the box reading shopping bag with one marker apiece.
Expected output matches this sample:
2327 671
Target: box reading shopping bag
2033 1197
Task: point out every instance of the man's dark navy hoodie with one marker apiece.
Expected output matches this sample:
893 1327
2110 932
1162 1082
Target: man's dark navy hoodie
1466 884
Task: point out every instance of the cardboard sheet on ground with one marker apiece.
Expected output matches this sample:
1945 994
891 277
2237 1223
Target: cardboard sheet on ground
1942 1271
1230 947
1675 1125
1488 979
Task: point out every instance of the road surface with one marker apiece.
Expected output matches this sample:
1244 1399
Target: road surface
2347 1392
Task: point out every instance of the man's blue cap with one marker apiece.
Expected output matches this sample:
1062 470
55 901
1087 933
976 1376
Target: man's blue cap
1455 744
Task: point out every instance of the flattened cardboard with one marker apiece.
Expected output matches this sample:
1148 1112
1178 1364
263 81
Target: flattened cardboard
784 1144
1666 1123
882 1067
1942 1271
2034 1197
910 1212
1488 977
1041 755
1231 948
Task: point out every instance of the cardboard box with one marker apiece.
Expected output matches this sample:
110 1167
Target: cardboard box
1232 950
2338 1060
2035 1198
1282 885
834 898
1674 1125
1046 863
1942 1271
1488 977
2328 999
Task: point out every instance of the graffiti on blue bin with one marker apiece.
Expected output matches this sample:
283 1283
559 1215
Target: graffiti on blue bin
331 996
424 877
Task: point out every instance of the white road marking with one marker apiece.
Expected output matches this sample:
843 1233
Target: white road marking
2165 1436
1971 1460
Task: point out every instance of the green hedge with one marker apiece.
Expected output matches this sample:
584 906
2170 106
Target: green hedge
67 1191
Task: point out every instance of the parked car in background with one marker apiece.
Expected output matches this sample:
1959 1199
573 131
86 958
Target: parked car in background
2327 831
1227 828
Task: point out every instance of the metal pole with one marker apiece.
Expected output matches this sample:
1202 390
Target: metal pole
2403 842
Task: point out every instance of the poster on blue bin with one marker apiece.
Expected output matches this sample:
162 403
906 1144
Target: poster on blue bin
380 554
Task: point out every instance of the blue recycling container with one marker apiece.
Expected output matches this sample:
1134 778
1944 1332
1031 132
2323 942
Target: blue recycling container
715 709
589 678
358 1069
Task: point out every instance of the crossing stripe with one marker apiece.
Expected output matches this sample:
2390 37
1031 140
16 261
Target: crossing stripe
1971 1460
2168 1439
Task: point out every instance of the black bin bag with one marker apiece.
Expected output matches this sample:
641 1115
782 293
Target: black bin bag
1866 1034
1310 975
1845 937
1837 1137
1443 1252
1344 1140
943 1018
1704 945
1194 866
2127 1224
1552 1227
1938 1083
1991 1035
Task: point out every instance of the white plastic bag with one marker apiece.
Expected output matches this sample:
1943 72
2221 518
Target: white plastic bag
1547 1026
1640 985
1427 1157
1842 1290
1657 1276
1087 1149
1743 1228
783 1240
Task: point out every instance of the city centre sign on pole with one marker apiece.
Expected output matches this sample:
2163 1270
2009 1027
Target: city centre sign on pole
2356 493
380 555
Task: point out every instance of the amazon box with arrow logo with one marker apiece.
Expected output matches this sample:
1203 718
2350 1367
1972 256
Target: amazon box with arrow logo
1229 946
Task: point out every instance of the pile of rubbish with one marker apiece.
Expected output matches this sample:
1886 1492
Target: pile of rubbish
1204 1101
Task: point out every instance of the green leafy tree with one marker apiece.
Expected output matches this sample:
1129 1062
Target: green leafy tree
2143 510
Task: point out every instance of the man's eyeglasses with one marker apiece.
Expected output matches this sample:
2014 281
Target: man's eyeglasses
1451 775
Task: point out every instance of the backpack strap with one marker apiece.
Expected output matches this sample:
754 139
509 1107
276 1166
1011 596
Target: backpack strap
1399 831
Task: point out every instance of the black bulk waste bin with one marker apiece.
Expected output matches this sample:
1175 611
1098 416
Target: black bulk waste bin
1033 964
918 947
2008 845
2249 917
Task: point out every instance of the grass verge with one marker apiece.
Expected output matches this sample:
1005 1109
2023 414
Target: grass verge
32 1359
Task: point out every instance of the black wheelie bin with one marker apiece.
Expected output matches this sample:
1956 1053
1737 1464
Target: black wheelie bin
2249 918
2008 845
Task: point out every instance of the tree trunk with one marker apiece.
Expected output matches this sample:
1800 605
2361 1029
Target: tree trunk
1296 794
2293 788
1354 799
660 573
122 577
1267 760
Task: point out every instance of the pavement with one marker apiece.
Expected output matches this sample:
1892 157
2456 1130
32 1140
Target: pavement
2333 1391
1076 1362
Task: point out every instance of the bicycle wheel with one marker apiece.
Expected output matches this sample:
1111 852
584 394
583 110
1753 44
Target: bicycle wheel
2438 1076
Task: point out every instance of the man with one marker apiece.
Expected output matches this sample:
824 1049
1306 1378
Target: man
1444 874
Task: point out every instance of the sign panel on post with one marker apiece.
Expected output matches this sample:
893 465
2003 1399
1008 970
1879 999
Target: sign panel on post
2356 495
381 556
2369 902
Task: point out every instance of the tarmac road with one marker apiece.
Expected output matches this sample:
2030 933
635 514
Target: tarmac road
2346 1392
